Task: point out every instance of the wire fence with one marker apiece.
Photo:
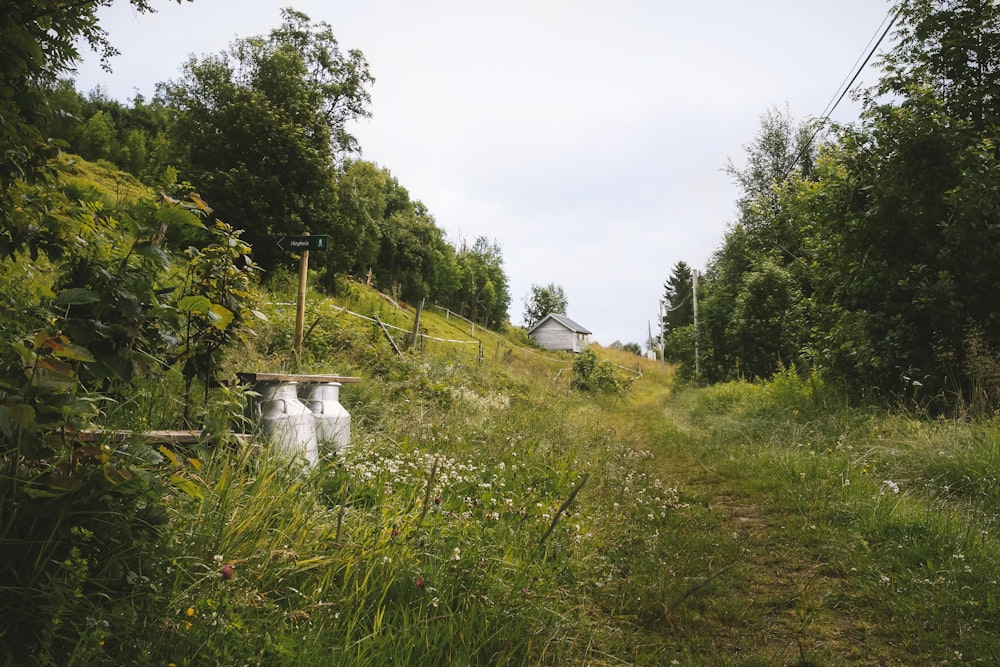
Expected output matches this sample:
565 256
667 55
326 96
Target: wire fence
453 341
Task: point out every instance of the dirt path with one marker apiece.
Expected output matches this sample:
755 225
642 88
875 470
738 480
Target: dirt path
779 604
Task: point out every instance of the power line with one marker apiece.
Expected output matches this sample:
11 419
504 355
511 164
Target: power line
841 93
890 19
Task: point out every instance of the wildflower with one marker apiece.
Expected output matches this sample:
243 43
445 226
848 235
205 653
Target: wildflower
889 485
226 571
190 611
437 500
421 584
456 554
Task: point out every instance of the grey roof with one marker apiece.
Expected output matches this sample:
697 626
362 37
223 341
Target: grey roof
563 320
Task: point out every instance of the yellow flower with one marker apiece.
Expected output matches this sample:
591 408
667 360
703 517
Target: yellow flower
190 611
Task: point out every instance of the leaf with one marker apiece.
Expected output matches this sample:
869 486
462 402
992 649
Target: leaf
153 251
27 355
194 304
187 486
22 415
75 353
75 296
35 492
224 315
179 217
6 425
53 374
166 451
200 203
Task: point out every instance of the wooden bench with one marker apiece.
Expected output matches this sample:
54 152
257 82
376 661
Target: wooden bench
167 436
254 378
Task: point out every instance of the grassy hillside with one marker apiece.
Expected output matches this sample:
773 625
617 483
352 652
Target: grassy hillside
489 512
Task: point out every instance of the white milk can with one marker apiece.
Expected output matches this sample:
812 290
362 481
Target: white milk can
333 423
286 422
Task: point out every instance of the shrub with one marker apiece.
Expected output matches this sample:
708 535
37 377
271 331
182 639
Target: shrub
592 375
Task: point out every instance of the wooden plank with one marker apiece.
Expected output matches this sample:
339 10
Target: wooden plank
253 378
176 437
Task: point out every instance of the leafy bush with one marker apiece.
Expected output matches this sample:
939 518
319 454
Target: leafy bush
593 375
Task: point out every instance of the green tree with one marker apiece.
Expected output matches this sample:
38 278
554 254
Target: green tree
762 251
678 298
96 138
38 42
360 220
634 348
482 293
542 300
416 257
259 128
909 216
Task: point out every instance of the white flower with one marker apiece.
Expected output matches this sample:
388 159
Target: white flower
889 486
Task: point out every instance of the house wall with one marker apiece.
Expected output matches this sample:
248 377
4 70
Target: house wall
554 336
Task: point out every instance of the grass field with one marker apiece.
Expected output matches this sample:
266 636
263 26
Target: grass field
488 513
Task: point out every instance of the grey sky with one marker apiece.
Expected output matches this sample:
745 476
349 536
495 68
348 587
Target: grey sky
587 138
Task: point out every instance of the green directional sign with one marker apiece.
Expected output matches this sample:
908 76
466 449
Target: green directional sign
304 242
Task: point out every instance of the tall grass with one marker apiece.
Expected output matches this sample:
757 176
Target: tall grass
870 537
488 513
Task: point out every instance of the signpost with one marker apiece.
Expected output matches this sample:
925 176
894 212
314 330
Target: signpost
303 244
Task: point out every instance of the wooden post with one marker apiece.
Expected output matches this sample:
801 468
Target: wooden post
416 325
300 310
387 335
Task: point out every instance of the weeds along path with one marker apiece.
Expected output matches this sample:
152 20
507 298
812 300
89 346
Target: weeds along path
746 587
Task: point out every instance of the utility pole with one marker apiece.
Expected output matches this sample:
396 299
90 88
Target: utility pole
663 334
694 295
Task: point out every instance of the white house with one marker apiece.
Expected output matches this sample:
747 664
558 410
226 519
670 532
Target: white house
558 332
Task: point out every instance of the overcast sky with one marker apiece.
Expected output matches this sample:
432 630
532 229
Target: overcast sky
587 138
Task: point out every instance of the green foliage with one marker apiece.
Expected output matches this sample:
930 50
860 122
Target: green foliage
634 348
893 513
678 299
875 257
380 229
259 126
38 42
482 293
591 374
541 301
218 303
80 520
